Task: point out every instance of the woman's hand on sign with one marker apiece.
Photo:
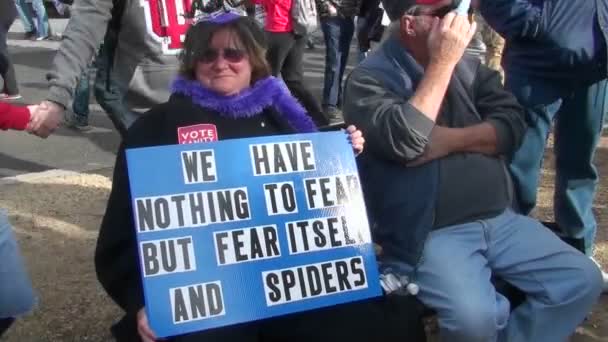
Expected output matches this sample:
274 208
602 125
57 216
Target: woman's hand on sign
356 139
143 328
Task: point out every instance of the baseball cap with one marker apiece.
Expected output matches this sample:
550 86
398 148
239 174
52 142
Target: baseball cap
396 8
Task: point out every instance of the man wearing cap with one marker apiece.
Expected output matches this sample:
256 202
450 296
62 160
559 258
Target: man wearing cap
556 64
439 130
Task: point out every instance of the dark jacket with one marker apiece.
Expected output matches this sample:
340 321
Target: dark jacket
346 8
406 203
557 39
373 29
8 12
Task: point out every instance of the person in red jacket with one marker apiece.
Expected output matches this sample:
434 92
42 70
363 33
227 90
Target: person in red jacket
15 117
285 54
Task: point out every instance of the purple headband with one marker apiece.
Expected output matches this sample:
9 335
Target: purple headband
222 16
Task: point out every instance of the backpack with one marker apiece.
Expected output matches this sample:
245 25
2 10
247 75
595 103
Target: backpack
304 15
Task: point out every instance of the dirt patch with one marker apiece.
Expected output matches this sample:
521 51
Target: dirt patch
57 220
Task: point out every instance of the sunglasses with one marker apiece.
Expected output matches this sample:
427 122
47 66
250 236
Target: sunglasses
231 55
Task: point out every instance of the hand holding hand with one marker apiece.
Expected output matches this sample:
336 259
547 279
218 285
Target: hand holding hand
143 328
45 119
356 139
448 39
32 109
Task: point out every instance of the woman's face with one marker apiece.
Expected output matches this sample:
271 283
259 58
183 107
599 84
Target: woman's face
224 67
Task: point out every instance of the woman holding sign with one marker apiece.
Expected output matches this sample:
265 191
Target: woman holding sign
225 91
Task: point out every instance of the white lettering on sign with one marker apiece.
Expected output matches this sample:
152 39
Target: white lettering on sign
314 280
330 191
197 302
198 166
168 256
281 158
191 209
280 198
247 244
320 234
200 133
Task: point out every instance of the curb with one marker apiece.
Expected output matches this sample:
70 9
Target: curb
54 173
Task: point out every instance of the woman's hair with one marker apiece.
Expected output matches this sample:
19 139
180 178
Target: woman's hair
249 36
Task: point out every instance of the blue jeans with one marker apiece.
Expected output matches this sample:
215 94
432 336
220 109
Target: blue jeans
41 25
16 293
25 16
561 284
107 93
362 51
82 93
578 111
338 33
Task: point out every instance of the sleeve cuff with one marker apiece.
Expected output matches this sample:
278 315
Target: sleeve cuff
135 301
504 143
60 95
418 121
21 119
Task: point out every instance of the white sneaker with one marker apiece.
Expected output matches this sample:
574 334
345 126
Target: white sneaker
604 276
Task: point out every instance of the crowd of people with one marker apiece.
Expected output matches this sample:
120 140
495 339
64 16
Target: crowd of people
449 145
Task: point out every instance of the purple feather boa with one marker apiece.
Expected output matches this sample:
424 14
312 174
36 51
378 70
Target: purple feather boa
267 92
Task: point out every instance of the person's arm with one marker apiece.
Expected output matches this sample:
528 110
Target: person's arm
81 39
116 257
499 109
500 133
513 19
393 127
431 90
13 117
479 138
396 127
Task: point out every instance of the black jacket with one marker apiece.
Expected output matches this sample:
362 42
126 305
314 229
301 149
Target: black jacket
8 12
346 8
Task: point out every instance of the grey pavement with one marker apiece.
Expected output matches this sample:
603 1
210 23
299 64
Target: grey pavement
21 153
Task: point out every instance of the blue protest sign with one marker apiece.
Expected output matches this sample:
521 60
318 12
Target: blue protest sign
240 230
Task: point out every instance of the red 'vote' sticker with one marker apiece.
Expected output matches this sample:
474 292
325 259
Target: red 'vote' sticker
197 133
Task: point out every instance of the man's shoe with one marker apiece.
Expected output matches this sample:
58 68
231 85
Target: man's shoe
71 121
333 115
9 97
55 38
30 35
